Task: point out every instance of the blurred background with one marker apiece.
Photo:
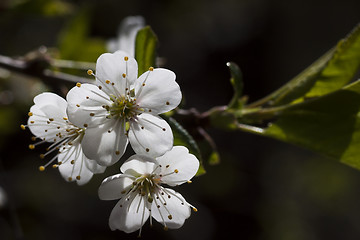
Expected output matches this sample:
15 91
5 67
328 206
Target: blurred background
262 189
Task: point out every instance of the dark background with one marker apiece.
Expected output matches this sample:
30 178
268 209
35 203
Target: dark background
262 189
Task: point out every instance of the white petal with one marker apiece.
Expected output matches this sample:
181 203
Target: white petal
126 37
129 218
112 187
174 212
180 163
150 135
138 165
112 67
51 104
85 105
41 126
158 91
106 143
72 167
93 166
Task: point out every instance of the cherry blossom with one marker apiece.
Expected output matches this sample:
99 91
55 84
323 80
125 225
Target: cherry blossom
139 188
122 108
48 121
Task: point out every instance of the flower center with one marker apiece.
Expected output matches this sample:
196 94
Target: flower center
123 107
146 185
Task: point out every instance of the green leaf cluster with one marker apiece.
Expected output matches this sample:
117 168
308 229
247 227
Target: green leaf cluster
318 109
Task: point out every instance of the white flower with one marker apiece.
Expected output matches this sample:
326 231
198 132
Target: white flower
127 32
140 192
48 121
123 107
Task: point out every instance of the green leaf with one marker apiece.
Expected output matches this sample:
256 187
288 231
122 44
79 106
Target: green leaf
236 81
183 138
329 73
329 125
145 49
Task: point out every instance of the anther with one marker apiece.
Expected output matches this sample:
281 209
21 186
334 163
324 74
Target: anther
22 127
126 58
167 103
51 119
41 168
164 129
176 171
85 125
124 75
100 87
33 138
194 209
77 105
55 166
166 228
42 156
170 217
72 161
117 152
189 181
78 84
65 118
30 114
70 178
167 166
31 146
90 72
78 177
151 69
147 150
107 81
92 114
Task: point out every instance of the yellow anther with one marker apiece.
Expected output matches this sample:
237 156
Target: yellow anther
166 228
151 69
170 217
31 146
124 75
176 171
33 138
78 177
107 81
126 58
59 163
55 166
42 156
30 114
78 84
189 181
194 209
41 168
32 122
90 72
65 118
22 127
77 105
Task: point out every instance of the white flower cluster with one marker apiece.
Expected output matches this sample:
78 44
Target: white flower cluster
91 129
